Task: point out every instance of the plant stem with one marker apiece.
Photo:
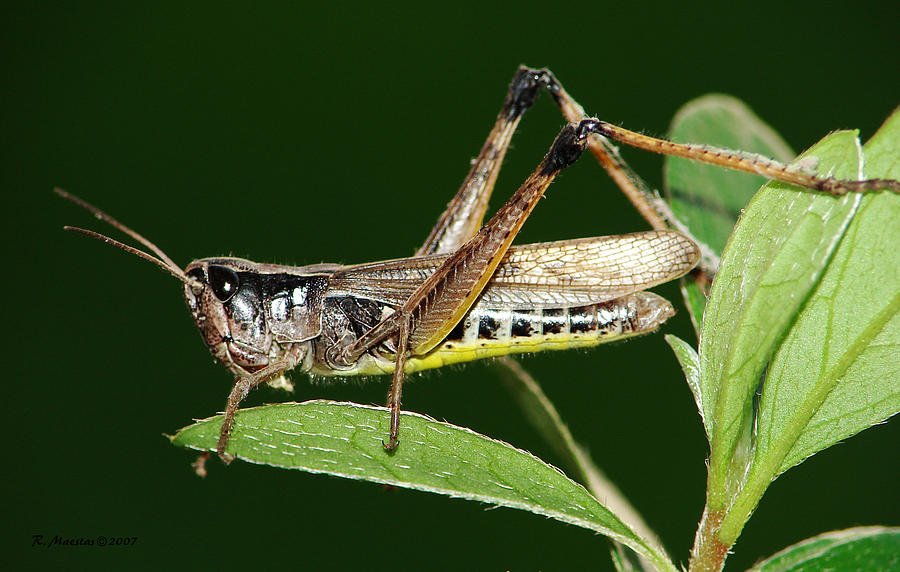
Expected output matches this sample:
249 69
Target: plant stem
709 553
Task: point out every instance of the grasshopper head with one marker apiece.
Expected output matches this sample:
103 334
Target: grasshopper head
226 302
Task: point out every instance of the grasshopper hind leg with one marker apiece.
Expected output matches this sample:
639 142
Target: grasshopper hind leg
464 214
461 220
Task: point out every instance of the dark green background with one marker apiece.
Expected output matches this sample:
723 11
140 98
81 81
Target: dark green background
305 134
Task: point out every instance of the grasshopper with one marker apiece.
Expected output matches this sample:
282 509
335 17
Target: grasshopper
467 293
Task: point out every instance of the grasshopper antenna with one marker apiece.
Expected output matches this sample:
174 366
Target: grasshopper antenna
160 259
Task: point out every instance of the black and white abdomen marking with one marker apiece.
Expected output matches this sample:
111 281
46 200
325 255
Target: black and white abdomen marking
626 316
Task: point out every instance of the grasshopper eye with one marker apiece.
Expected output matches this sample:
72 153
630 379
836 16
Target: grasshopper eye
223 281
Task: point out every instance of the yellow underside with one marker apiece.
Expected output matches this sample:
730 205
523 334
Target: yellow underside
457 352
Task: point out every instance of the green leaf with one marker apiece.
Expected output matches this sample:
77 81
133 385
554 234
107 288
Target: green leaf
864 548
772 261
345 440
817 394
836 372
690 365
708 199
694 300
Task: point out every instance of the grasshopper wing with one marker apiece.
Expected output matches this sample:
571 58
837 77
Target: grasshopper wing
542 275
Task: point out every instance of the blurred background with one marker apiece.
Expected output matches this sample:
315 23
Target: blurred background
337 134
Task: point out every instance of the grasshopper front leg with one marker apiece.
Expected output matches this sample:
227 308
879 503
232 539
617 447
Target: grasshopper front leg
241 388
442 300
